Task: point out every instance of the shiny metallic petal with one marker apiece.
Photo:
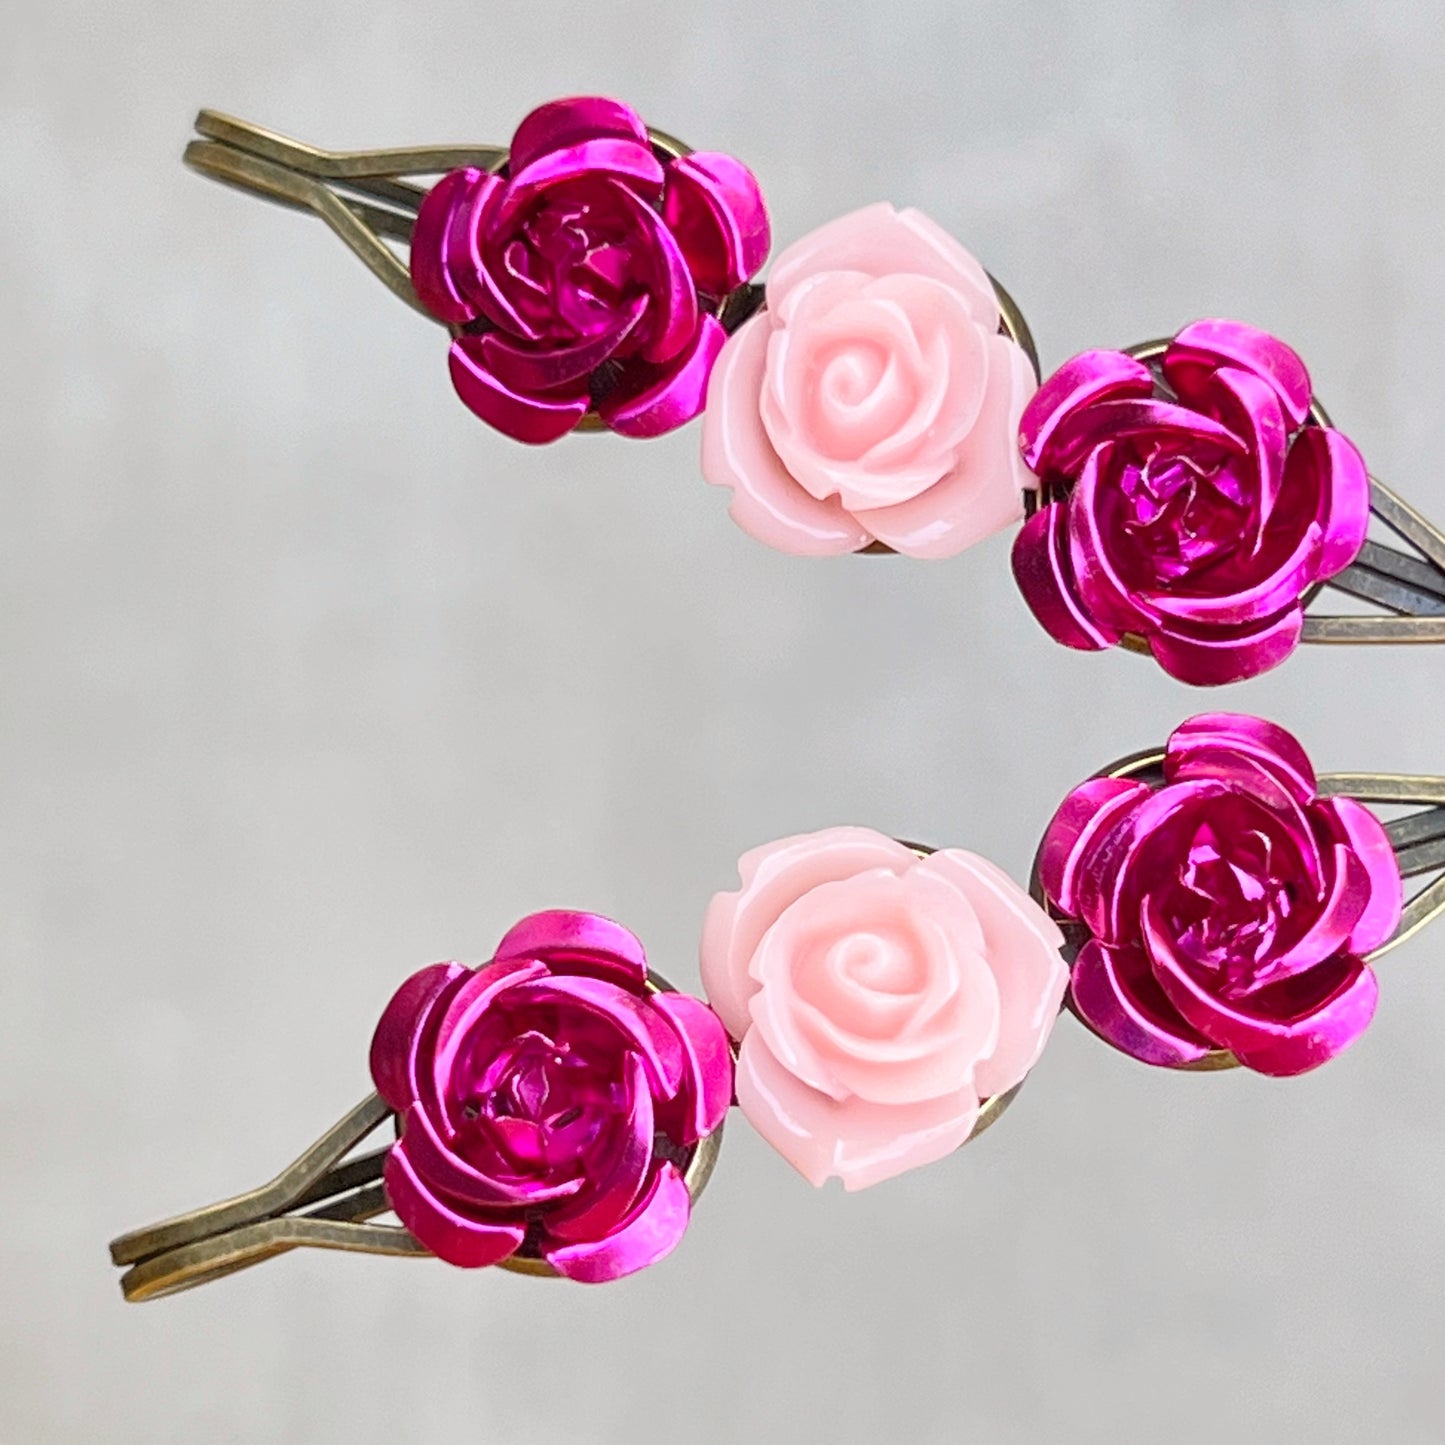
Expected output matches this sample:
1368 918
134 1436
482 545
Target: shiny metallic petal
1044 570
653 1231
449 1233
524 418
1115 993
714 206
1203 347
573 942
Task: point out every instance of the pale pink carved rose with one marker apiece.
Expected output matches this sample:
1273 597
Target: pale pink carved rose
874 399
878 997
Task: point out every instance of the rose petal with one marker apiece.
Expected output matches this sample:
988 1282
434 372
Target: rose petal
1082 381
570 942
618 1175
707 1083
883 241
772 877
1282 587
1316 1030
1329 1029
451 1177
1238 748
654 1230
1085 816
1340 910
1329 463
1365 835
633 1018
449 1233
714 206
1126 859
891 433
1077 433
649 401
1103 593
1209 657
629 163
939 1048
767 501
563 123
855 1141
1205 346
673 319
392 1045
1251 407
1115 993
983 491
531 419
465 1006
1021 943
1044 572
526 369
441 242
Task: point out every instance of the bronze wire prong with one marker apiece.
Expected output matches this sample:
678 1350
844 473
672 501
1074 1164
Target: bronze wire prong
1418 839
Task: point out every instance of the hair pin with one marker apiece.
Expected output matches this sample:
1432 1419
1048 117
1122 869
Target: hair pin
872 1005
879 392
558 1110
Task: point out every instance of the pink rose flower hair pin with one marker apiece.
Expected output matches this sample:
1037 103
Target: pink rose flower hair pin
879 392
873 1005
1223 906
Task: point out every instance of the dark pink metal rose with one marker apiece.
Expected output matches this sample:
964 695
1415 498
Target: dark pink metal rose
547 1101
1196 512
586 275
1228 907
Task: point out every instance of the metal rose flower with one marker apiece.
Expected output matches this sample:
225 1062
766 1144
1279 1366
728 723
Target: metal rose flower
1196 509
874 399
585 275
879 997
545 1100
1229 907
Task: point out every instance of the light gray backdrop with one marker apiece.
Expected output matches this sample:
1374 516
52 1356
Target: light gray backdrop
308 680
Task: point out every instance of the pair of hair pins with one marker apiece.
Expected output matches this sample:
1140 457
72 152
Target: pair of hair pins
871 1004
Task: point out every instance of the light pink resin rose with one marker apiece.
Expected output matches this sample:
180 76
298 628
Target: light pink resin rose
874 399
878 997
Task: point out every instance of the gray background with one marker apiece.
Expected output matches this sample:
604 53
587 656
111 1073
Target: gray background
309 680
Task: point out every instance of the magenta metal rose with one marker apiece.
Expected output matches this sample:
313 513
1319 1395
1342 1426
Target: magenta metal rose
1194 507
586 273
547 1100
1222 909
556 1111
